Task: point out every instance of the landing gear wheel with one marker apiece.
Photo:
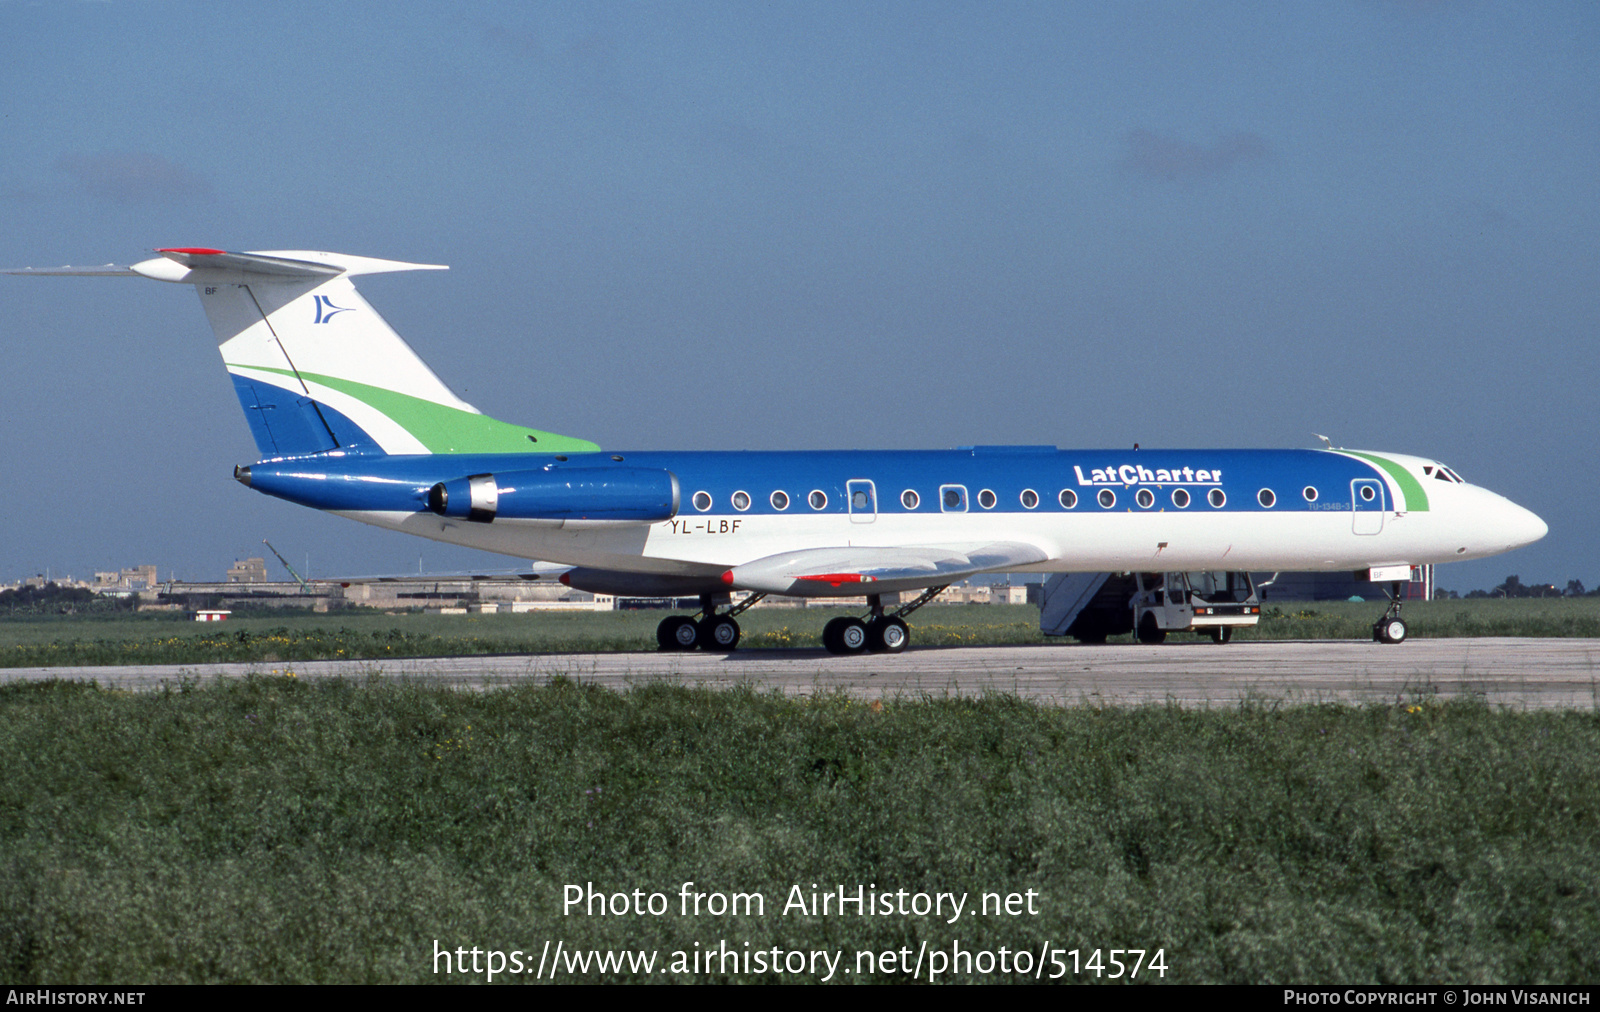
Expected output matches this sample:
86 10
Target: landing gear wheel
1149 632
853 636
1390 630
677 632
830 635
887 635
845 636
720 633
1222 634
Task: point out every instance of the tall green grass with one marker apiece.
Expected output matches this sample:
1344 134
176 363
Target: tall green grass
267 829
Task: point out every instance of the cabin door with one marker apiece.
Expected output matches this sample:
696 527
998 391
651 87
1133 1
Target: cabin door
1367 504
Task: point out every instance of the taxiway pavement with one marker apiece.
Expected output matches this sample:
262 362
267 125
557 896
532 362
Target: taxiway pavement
1522 673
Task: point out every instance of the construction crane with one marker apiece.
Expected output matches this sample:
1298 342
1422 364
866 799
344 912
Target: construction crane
303 588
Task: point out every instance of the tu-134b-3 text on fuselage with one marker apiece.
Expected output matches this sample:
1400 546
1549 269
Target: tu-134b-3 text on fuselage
348 419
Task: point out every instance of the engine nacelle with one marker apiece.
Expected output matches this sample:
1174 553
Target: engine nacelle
638 494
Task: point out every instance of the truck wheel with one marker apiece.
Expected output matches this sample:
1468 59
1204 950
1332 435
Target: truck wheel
1149 632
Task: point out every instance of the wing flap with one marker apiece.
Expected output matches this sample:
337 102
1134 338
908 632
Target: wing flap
841 572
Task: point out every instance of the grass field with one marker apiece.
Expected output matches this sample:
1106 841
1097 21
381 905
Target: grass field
166 639
271 830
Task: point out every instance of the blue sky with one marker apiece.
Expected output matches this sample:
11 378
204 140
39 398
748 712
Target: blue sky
815 225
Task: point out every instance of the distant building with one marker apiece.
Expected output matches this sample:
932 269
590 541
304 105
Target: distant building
248 571
135 578
1341 586
1006 593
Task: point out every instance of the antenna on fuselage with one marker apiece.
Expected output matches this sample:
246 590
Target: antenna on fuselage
1326 442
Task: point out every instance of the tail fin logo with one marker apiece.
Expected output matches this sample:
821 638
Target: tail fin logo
327 310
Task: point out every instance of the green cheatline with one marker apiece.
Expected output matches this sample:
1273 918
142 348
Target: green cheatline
443 429
1416 498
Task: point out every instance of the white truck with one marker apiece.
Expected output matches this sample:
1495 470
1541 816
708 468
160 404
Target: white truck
1211 602
1091 606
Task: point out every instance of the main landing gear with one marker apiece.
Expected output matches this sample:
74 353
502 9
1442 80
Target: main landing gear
708 631
879 632
1391 628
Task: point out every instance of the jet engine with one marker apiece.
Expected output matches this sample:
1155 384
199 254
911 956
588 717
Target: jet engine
634 494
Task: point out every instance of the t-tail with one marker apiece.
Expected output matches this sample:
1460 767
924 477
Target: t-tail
317 369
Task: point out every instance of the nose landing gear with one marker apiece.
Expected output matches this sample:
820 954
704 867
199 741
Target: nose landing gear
1391 628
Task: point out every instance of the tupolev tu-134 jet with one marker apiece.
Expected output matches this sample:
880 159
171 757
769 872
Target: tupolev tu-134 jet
349 420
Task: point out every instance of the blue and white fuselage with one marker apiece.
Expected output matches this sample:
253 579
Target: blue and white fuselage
1082 510
348 419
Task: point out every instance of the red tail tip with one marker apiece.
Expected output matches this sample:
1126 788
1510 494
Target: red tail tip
566 579
727 577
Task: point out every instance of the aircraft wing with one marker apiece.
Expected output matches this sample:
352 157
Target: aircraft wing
548 571
848 572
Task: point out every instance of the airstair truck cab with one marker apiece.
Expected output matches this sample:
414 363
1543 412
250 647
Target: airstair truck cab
1211 602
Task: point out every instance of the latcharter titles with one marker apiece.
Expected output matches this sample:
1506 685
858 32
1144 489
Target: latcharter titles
1138 474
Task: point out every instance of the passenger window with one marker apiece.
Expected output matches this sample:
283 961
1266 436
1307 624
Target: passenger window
909 499
953 498
1068 499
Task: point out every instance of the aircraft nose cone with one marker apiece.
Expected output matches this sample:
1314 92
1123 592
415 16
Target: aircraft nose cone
1525 526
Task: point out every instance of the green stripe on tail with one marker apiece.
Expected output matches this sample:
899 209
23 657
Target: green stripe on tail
444 429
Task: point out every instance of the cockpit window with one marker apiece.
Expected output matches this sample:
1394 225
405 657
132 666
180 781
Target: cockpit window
1443 474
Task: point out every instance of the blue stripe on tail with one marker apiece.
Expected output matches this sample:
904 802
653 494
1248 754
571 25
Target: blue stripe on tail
285 423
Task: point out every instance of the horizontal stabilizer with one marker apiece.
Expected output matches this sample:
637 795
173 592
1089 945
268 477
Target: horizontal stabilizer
199 265
254 263
103 271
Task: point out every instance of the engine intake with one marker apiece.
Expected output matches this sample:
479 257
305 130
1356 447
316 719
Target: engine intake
580 493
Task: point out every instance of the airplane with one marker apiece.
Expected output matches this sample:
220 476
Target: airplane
348 419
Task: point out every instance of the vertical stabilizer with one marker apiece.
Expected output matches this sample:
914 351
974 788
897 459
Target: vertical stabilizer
317 369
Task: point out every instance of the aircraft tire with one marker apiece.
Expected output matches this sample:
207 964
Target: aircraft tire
1390 630
1222 634
676 633
831 640
1149 632
853 636
887 635
719 633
